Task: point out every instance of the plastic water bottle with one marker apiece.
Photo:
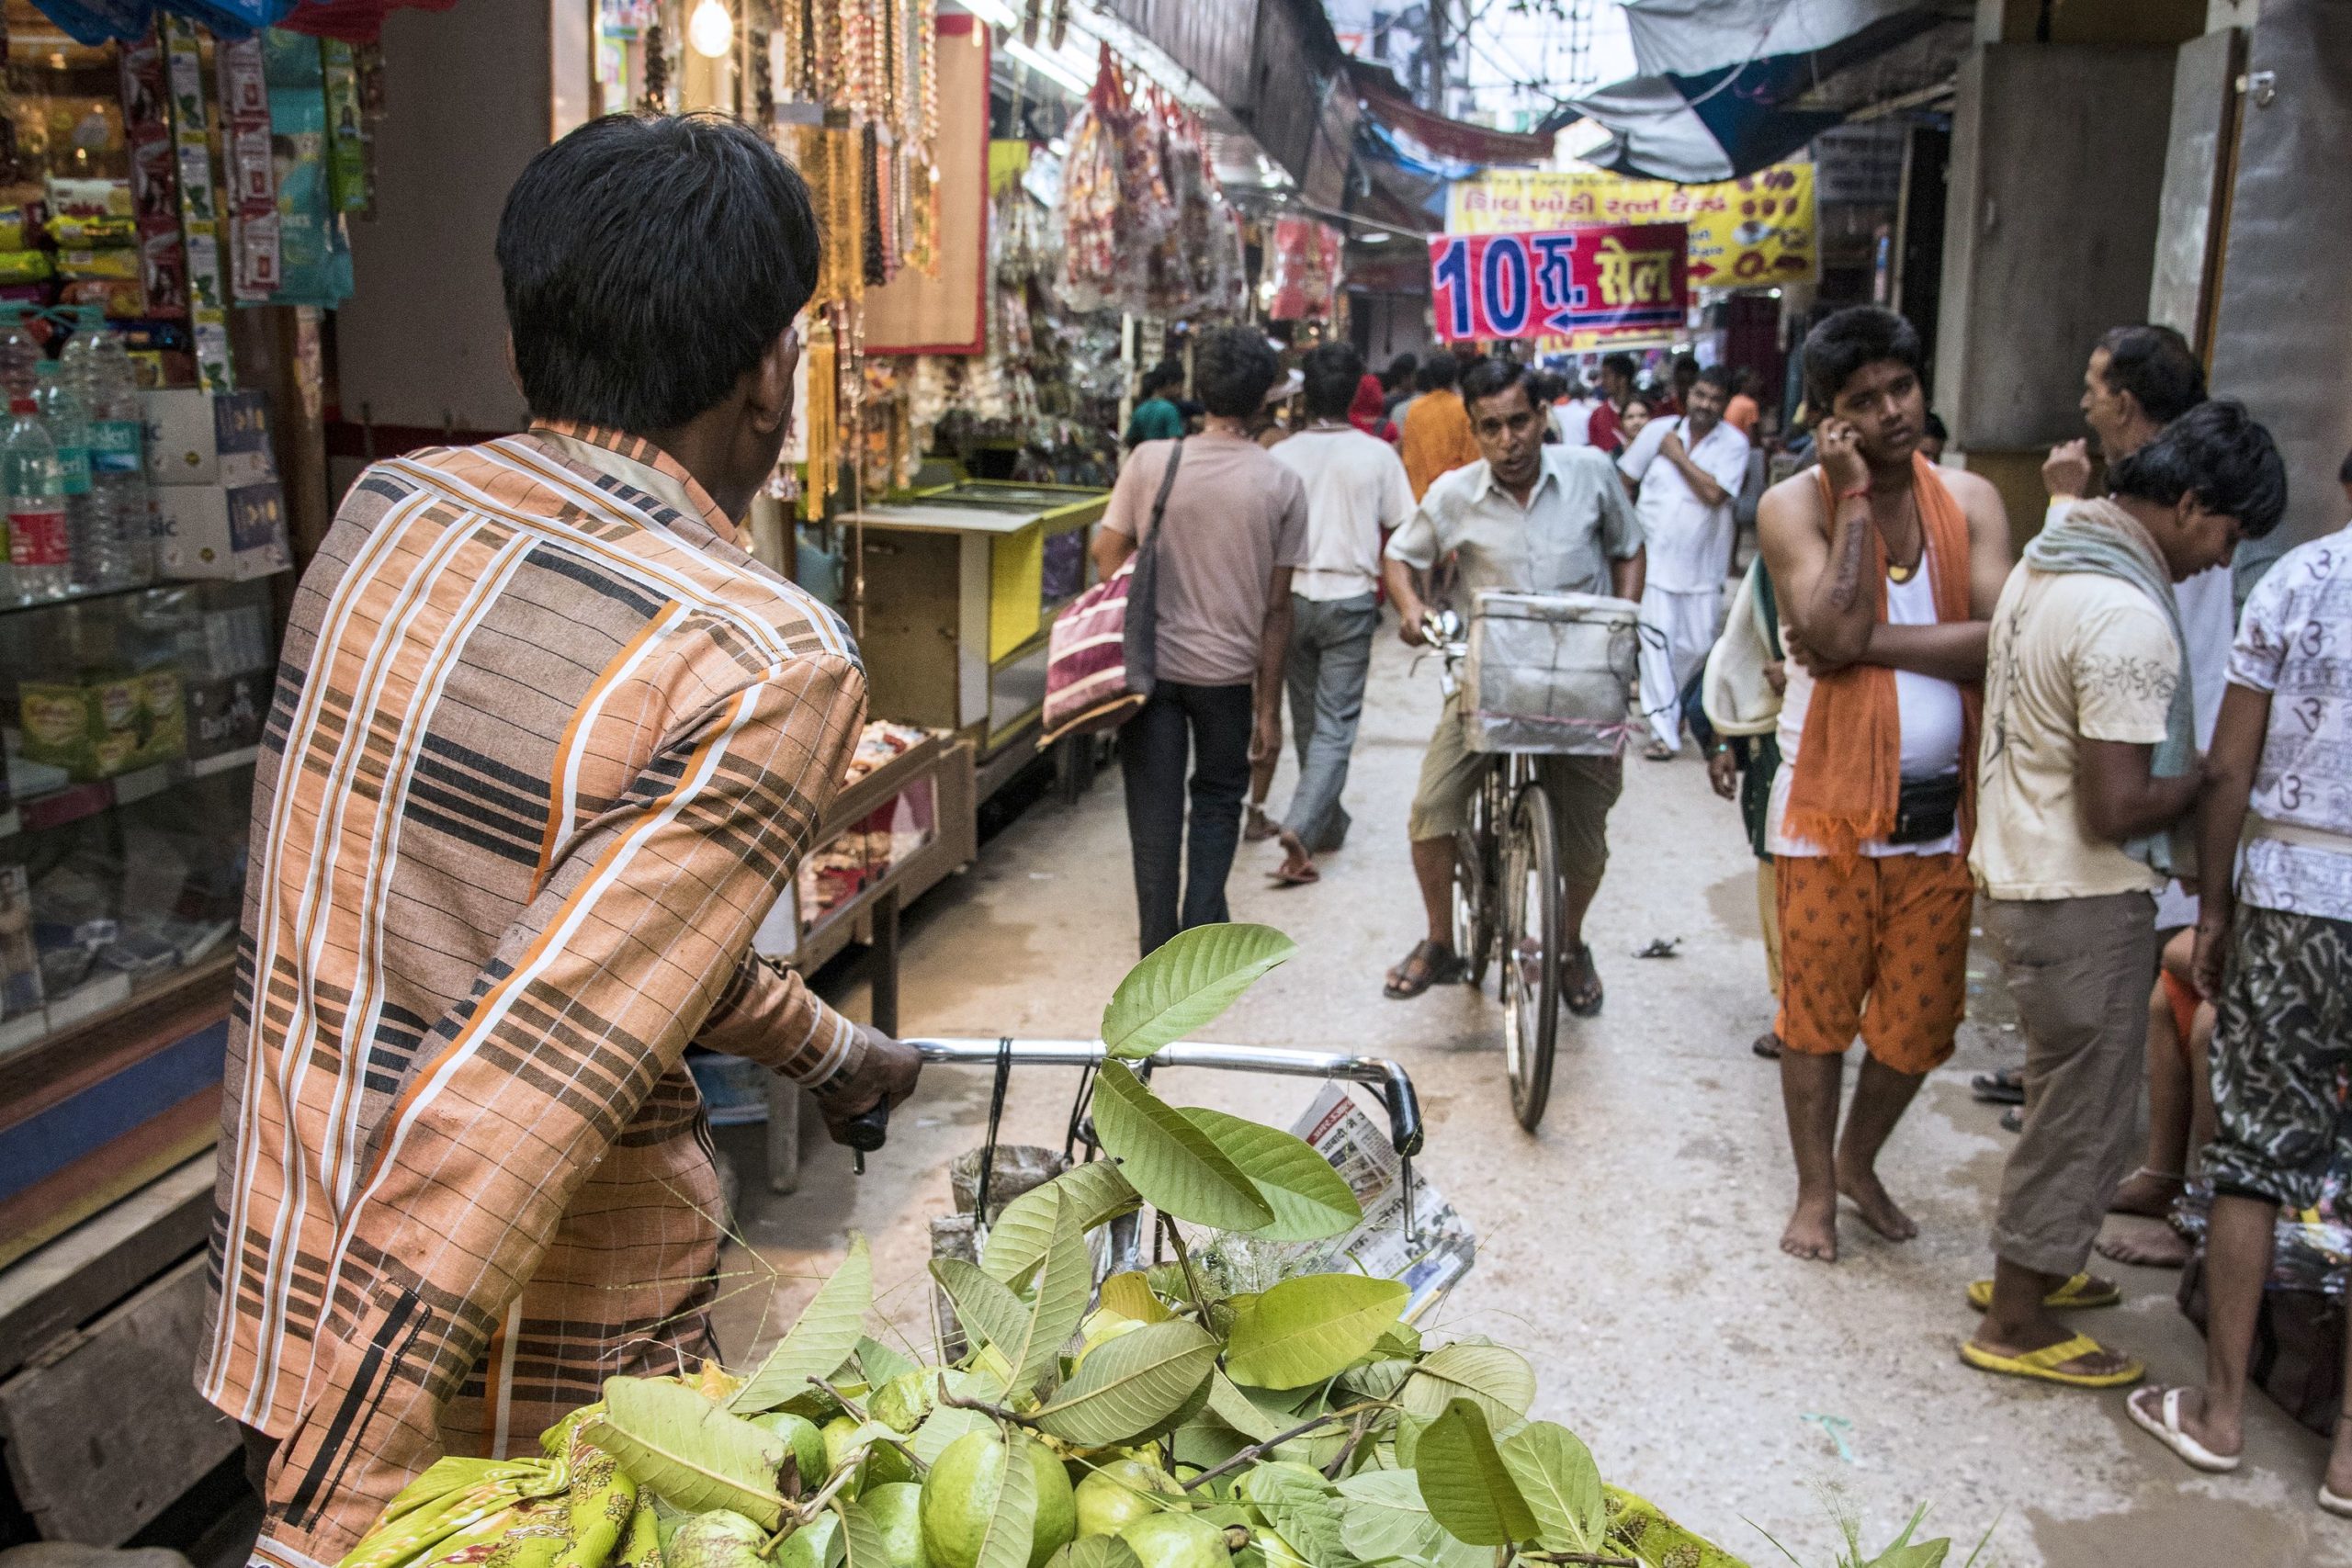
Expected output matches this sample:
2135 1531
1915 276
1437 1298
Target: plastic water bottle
99 369
97 562
40 553
19 355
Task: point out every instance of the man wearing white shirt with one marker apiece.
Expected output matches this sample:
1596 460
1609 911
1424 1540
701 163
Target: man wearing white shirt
1688 471
1572 415
1356 489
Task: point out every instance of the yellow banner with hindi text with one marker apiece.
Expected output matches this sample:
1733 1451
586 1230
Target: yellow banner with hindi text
1754 232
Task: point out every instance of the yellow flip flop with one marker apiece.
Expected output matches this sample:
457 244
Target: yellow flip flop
2077 1294
2046 1362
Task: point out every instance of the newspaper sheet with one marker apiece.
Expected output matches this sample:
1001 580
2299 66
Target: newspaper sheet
1430 1252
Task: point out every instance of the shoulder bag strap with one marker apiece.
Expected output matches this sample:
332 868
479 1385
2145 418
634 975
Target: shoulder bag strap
1139 640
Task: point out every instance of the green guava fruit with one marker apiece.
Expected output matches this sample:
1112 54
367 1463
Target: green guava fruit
717 1540
812 1545
1122 1492
1177 1540
803 1442
897 1507
959 1497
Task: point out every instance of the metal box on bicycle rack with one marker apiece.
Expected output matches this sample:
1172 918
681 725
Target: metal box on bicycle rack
1551 672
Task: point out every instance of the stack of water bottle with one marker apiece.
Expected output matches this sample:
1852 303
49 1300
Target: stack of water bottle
74 470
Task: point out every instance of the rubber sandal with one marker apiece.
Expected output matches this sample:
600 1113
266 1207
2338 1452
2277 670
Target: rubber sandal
1766 1045
1440 966
2013 1119
1284 877
2044 1364
2189 1452
2078 1294
1998 1088
1585 995
1658 753
2331 1502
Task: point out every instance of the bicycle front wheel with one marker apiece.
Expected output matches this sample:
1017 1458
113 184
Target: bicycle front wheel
1478 864
1530 890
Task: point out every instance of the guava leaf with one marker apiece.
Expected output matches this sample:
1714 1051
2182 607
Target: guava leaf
1170 1162
860 1537
1101 1552
671 1440
1309 1199
1382 1514
1130 1384
1465 1483
1494 1378
1561 1485
1096 1193
949 1422
1187 981
878 1363
830 1328
1303 1508
1376 1379
1236 1410
1305 1329
1029 1334
1007 1532
1129 1295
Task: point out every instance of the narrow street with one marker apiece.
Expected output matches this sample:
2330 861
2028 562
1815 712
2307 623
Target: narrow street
1630 1250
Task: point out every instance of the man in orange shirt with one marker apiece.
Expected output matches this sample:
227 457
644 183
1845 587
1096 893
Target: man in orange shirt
1437 438
1743 410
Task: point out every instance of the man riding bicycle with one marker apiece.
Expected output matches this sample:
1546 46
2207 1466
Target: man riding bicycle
1535 519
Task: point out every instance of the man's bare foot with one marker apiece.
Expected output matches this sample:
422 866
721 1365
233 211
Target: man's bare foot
2339 1464
2146 1192
2040 1336
2208 1435
1879 1212
1260 827
1298 866
1813 1230
2150 1244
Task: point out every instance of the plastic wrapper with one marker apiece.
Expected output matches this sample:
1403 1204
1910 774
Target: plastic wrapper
1551 672
90 198
92 233
25 266
1306 269
109 264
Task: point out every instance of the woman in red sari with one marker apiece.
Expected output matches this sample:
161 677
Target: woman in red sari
1368 414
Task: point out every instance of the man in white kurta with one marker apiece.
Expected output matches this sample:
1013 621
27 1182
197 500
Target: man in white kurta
1689 470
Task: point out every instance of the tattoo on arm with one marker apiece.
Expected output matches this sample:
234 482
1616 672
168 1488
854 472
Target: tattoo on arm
1847 578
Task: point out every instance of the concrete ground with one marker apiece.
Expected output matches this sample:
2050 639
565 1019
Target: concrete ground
1630 1249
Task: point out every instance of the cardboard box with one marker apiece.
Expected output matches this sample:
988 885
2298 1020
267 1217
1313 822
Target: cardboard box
100 726
206 438
226 715
214 531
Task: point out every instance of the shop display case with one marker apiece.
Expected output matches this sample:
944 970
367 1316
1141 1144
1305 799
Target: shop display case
129 726
961 585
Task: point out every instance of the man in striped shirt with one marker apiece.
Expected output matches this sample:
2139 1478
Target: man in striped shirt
546 745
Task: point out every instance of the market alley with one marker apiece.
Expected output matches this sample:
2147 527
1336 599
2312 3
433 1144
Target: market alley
1630 1250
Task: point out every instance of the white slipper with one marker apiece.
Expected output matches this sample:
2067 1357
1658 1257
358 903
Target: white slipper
2331 1502
2192 1452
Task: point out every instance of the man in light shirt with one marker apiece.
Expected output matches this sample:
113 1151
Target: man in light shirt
1356 489
1686 473
1572 415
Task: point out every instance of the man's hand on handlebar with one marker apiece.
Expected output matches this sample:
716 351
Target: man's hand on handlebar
886 1075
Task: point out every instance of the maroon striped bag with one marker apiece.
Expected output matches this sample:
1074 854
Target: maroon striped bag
1099 657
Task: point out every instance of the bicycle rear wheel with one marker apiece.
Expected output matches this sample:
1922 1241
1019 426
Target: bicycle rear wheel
1530 945
1477 866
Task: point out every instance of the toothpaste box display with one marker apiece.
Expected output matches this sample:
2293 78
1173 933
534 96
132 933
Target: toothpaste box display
218 531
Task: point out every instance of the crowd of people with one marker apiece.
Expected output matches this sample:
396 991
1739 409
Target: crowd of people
2065 747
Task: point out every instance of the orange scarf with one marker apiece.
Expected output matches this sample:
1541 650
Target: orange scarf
1849 761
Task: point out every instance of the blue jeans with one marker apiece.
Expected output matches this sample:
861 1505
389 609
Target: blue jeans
1331 653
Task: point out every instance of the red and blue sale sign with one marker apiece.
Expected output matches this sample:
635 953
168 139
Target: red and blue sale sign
1611 276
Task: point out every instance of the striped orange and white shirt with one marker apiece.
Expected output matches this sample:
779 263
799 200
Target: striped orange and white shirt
546 746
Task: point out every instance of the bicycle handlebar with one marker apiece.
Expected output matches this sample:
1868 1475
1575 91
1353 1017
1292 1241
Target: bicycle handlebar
1395 1086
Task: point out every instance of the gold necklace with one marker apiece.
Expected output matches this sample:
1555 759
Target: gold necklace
1899 575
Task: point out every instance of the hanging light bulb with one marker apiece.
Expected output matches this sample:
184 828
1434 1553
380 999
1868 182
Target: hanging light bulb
711 30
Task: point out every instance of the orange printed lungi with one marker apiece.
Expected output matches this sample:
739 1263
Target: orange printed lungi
1876 946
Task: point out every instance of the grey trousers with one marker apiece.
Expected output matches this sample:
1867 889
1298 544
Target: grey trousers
1330 652
2079 970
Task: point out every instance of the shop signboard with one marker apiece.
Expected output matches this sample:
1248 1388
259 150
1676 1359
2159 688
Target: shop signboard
1757 231
1609 276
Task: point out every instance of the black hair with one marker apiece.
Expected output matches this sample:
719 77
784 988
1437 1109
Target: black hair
1333 372
1685 362
1161 376
1493 377
1850 339
1233 369
1437 372
1933 429
1399 372
2217 453
649 265
1623 364
2156 366
1716 376
2343 474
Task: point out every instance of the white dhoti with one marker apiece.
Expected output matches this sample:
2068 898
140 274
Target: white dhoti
1677 631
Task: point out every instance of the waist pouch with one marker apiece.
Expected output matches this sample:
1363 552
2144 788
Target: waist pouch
1925 809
